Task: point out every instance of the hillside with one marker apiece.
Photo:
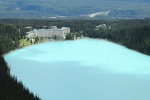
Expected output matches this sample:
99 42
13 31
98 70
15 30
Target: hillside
55 8
10 87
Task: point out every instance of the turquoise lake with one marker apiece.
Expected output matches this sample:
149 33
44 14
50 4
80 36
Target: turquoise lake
85 69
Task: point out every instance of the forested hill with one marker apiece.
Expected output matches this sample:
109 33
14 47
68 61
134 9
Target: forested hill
10 87
55 8
134 34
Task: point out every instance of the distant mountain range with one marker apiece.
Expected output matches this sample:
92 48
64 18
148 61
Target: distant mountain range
74 8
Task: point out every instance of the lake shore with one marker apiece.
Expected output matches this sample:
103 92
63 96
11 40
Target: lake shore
27 45
51 40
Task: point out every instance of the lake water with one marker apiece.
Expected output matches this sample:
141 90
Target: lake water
86 69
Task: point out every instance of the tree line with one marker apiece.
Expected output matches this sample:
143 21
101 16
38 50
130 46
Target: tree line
134 34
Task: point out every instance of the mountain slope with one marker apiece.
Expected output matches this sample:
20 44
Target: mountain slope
50 8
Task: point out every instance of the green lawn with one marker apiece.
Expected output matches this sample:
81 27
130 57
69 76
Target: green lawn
25 42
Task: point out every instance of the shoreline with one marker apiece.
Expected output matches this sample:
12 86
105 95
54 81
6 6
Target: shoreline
21 47
123 46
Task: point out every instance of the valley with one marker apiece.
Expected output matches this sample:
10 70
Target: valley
69 8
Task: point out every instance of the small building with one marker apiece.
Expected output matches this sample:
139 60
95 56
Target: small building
103 26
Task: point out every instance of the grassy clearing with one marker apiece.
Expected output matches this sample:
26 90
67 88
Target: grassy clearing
25 42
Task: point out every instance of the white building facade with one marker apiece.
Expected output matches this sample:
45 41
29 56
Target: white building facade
53 33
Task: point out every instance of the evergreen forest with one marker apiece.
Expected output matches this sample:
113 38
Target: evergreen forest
10 87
